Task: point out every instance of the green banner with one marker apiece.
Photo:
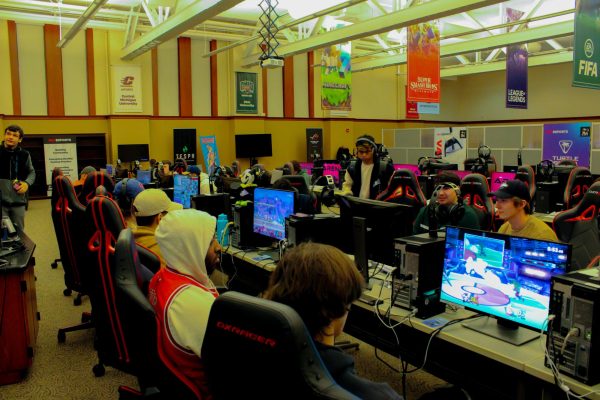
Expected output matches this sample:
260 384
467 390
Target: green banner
246 99
336 77
587 38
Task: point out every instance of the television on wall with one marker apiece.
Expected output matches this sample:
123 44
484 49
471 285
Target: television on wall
133 152
253 145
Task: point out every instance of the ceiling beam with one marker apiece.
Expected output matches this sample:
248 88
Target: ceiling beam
87 15
385 23
187 18
559 29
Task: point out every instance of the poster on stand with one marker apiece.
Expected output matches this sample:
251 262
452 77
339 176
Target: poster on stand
336 77
208 144
451 145
314 144
423 59
568 142
246 97
60 152
516 68
184 145
586 54
127 88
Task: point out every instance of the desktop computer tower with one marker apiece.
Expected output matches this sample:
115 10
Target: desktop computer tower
574 300
548 198
419 261
243 218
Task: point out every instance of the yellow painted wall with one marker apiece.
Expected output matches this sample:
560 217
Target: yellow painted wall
6 101
32 72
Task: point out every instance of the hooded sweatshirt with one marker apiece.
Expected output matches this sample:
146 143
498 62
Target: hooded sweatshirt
182 293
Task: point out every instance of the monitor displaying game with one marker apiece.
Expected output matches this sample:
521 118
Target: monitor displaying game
184 188
498 178
144 176
271 207
502 276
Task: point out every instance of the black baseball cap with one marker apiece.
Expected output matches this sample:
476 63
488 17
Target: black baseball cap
510 189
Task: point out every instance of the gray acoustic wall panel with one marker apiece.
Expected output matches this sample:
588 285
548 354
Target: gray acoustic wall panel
475 137
427 138
595 160
398 155
532 136
596 137
472 153
413 155
408 138
503 137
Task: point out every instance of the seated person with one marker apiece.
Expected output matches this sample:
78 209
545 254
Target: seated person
513 205
297 170
149 207
126 190
320 283
447 208
78 184
203 179
304 202
182 294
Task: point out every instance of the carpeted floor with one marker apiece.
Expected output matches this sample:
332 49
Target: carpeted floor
64 371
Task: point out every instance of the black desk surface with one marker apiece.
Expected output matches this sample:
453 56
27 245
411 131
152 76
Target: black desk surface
20 260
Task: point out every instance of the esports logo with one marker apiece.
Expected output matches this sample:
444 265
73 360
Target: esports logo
565 145
584 131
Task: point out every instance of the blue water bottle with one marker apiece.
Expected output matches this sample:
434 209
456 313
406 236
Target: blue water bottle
221 224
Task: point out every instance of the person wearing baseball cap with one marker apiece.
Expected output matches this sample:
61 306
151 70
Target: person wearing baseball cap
149 207
513 205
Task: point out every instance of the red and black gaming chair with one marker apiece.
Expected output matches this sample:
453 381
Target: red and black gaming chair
526 174
403 188
580 180
67 217
92 181
579 226
474 189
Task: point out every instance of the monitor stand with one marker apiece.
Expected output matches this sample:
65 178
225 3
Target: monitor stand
506 331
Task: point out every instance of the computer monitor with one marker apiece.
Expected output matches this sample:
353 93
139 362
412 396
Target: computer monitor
144 176
271 208
253 146
435 167
333 169
503 276
184 187
110 169
498 178
510 168
214 204
413 167
385 221
307 166
133 152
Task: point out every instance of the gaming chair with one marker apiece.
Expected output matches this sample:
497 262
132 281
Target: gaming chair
475 189
579 227
92 181
249 339
525 173
403 188
580 180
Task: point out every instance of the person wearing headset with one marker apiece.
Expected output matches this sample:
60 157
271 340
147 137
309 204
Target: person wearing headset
126 190
446 207
369 175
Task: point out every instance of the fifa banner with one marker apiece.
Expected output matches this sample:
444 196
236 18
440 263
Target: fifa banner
568 142
127 88
336 77
60 152
516 68
208 144
586 54
184 145
246 97
423 76
451 145
314 144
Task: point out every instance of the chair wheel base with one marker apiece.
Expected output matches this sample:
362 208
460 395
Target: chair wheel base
77 300
62 336
98 370
67 292
54 265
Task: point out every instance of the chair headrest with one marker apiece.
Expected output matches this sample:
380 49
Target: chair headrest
297 182
105 215
94 180
65 190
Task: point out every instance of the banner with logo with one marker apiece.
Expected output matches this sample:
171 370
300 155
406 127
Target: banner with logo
314 144
208 144
246 97
184 145
412 111
60 152
516 68
336 77
568 142
586 53
127 88
423 59
451 145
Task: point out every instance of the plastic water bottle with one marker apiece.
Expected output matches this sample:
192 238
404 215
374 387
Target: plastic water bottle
221 224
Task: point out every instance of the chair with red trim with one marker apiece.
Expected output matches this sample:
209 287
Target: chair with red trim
92 181
474 189
579 226
580 180
526 174
403 188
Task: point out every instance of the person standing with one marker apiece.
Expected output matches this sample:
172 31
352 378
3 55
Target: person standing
16 175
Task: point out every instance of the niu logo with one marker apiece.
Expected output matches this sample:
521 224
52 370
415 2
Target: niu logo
127 81
565 145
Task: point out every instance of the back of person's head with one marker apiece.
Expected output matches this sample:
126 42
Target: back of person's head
126 191
151 202
288 168
194 170
87 170
318 281
296 166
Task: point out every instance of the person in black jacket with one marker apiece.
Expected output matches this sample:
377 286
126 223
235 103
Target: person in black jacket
320 283
16 175
370 174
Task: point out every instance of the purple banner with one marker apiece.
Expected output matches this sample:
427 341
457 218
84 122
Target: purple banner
568 142
516 68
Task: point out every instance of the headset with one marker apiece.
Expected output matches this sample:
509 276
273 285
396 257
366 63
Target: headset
545 170
252 176
328 192
123 200
481 166
448 215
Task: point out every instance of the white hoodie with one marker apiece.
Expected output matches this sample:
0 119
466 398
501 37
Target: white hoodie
184 237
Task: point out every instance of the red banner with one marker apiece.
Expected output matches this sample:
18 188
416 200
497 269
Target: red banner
423 79
412 111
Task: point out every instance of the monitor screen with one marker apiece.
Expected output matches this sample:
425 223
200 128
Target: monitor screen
332 169
271 207
133 152
252 146
504 276
307 166
414 168
184 187
144 176
110 169
498 178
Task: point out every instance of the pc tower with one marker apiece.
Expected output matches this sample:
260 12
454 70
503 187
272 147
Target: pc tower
574 300
548 197
243 215
419 261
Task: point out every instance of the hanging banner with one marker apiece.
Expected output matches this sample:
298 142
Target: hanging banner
60 152
516 68
246 97
423 59
451 145
184 145
585 55
314 144
412 111
208 144
568 142
127 88
336 77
